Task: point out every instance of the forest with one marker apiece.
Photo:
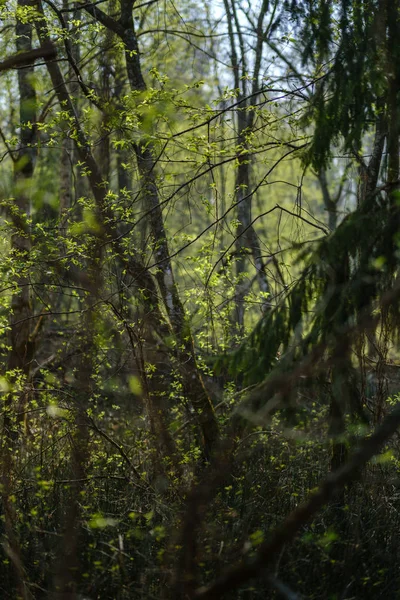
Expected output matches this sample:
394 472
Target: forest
199 299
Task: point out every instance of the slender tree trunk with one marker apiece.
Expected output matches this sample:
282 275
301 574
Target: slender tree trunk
19 339
143 338
329 202
106 220
66 166
104 151
194 388
20 342
393 111
67 565
192 381
247 243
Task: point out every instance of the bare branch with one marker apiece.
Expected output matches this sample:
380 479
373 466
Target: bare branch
24 59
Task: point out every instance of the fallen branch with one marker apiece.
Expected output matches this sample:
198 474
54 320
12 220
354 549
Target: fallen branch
248 569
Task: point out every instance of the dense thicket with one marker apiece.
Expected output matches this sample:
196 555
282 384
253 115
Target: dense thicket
199 300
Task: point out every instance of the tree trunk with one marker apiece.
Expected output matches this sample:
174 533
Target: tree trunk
246 237
19 337
20 341
191 378
247 240
107 222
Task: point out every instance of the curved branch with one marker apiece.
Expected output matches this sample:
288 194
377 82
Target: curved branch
287 531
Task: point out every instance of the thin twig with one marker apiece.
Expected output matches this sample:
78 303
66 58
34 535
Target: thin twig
122 452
